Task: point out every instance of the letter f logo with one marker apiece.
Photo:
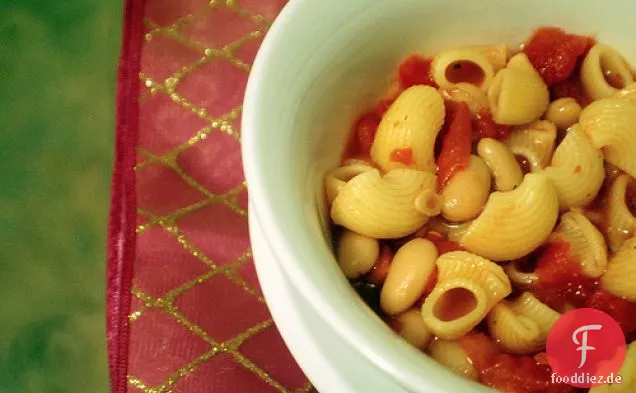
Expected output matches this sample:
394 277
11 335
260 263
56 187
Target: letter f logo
583 344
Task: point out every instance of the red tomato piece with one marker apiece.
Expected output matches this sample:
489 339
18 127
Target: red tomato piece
456 144
365 130
570 88
416 70
404 156
381 268
487 128
521 374
561 279
480 349
554 53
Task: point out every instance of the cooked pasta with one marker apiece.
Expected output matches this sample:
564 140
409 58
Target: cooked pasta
472 95
628 93
587 244
409 272
356 253
464 196
621 272
518 82
412 328
522 325
496 193
604 72
563 112
412 122
452 355
338 178
518 276
502 163
610 124
621 223
468 287
576 170
535 142
445 63
514 223
388 206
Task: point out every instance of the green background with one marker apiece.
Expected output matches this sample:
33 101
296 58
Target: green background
57 97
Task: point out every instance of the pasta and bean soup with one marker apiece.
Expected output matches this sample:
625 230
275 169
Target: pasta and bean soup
491 192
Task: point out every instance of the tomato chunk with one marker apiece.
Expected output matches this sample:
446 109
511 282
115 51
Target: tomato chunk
570 88
561 279
404 156
456 144
416 70
486 127
554 53
365 129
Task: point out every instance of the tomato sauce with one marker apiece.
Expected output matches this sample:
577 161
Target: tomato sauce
415 70
554 53
456 144
570 88
465 71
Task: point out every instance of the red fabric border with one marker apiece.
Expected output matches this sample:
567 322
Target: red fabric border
122 221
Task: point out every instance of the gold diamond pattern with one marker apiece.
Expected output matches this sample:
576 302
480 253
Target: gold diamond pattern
168 222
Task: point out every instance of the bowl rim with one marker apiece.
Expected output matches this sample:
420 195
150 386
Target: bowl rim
430 376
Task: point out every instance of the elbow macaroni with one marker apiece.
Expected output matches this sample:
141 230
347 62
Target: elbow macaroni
600 61
610 124
521 326
577 170
535 142
412 122
408 274
621 222
464 196
514 223
587 244
502 163
338 178
621 272
472 95
518 83
468 287
387 207
448 58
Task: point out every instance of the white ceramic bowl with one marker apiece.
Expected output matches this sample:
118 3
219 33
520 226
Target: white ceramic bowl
322 63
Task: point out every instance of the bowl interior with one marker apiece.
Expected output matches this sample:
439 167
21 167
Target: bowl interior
321 65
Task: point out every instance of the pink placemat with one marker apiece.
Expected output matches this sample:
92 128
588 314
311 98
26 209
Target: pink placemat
185 312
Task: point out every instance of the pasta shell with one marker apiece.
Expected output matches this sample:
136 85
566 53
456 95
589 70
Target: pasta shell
412 122
610 124
385 207
535 142
621 222
587 244
576 171
514 223
621 272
